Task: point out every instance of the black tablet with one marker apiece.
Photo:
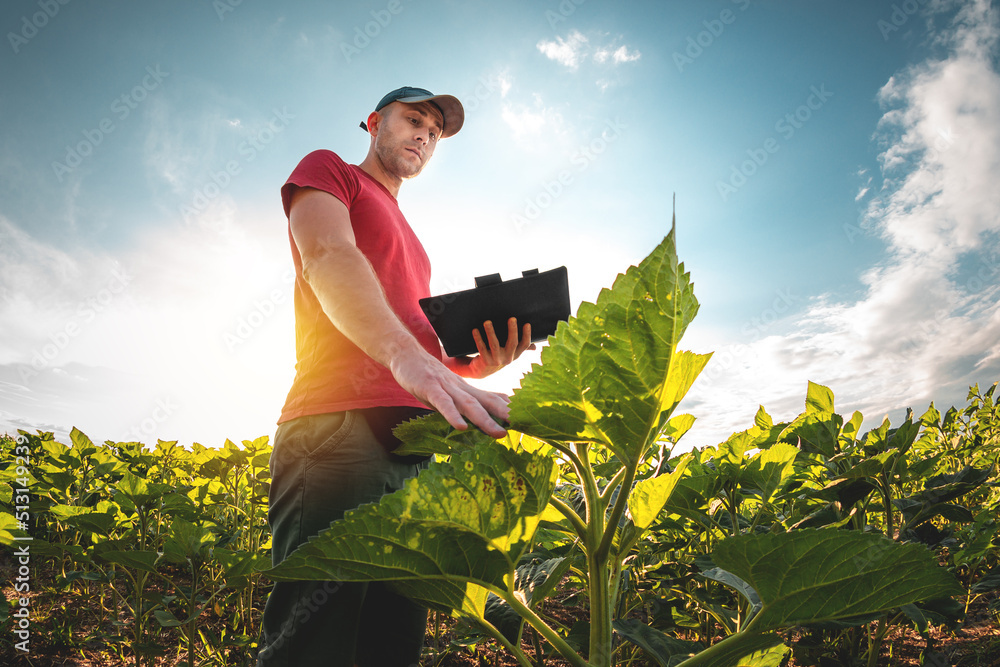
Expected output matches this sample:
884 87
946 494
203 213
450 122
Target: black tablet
538 298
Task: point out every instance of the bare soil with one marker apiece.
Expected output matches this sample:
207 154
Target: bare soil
73 628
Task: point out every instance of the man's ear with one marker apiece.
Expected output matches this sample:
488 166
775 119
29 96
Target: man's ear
374 118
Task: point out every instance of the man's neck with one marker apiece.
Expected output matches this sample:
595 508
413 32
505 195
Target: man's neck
374 168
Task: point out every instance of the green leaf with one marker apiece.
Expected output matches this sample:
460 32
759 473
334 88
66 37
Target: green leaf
810 576
187 541
649 496
762 420
8 523
612 374
771 657
432 434
81 442
101 523
938 491
167 619
462 522
678 426
731 580
769 469
734 648
818 399
144 561
237 566
817 432
135 489
661 647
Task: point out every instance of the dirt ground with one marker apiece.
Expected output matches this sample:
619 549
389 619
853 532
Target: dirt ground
75 636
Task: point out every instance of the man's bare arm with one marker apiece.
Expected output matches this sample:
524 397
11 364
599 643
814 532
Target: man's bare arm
351 296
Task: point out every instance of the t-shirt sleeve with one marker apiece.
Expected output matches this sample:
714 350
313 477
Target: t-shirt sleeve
323 170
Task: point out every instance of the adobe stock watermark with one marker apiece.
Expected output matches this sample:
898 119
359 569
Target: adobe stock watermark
223 7
899 16
786 127
363 35
486 87
262 311
31 25
20 488
86 312
756 328
121 108
584 156
316 595
160 414
562 12
696 44
248 150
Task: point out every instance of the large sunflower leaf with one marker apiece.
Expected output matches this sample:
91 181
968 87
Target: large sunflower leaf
612 374
812 576
460 523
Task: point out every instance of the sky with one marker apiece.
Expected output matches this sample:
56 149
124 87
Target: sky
833 166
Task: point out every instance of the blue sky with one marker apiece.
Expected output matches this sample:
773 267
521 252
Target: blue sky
834 166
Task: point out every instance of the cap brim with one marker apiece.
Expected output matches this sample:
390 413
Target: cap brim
451 108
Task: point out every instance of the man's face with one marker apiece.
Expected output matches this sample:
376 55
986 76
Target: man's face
407 136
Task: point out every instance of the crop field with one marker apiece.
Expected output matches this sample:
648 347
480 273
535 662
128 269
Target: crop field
590 536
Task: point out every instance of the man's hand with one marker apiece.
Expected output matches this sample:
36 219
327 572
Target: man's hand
492 357
437 386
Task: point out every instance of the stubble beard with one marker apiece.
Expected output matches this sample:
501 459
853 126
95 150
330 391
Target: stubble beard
393 156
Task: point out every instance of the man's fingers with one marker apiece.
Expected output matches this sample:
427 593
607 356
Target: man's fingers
481 407
491 336
512 341
480 345
525 342
460 404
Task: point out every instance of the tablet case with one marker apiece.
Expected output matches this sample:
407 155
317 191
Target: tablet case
541 299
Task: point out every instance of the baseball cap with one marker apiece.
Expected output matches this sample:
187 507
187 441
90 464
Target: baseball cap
449 106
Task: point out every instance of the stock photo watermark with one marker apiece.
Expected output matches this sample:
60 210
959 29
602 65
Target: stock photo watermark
86 312
223 7
248 150
562 12
121 108
899 16
363 35
31 25
753 330
786 127
262 311
696 44
486 87
20 606
551 190
164 410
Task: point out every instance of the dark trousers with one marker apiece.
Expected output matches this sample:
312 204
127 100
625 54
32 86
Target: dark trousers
322 466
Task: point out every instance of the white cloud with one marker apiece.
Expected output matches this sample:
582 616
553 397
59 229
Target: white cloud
575 48
928 323
567 52
528 124
623 55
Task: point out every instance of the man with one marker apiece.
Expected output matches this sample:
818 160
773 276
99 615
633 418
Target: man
367 359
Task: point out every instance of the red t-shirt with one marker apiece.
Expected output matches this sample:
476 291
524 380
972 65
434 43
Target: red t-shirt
331 373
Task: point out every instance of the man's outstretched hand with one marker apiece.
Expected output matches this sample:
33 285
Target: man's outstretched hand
436 385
